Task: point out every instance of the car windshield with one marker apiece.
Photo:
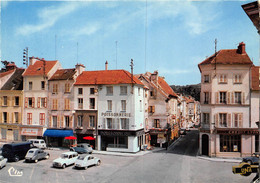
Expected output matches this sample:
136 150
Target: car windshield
81 158
31 151
64 156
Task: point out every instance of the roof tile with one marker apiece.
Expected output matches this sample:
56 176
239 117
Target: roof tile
37 68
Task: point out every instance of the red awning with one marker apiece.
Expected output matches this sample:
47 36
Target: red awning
89 138
70 138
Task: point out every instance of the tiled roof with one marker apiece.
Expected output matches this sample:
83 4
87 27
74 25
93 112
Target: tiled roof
15 82
2 74
255 78
37 68
165 87
106 77
189 100
227 57
63 74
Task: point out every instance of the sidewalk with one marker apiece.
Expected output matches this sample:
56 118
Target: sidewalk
216 159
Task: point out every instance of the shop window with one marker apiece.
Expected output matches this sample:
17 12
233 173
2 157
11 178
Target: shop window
118 142
230 143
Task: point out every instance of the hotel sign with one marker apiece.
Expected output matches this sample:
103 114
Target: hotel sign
29 131
115 114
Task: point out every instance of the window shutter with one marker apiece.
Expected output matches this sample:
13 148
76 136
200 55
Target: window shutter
7 117
225 78
240 120
32 102
1 101
209 97
216 120
38 102
62 121
229 120
70 125
232 97
1 119
153 109
217 98
19 117
243 98
13 100
65 104
25 102
58 121
228 100
12 117
50 119
8 101
45 102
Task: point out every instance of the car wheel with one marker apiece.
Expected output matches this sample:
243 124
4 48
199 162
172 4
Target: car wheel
63 166
98 163
16 158
36 160
47 157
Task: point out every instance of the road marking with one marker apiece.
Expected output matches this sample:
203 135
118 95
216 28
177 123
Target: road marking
82 177
32 173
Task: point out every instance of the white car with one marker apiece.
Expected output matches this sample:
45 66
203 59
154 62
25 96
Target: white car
2 162
66 159
86 160
39 143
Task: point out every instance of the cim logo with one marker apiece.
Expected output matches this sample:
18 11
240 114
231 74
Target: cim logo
15 173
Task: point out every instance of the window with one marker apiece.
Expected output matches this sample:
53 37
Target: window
238 97
55 89
80 91
117 142
54 104
67 88
223 119
67 104
139 91
151 109
43 85
43 102
80 120
67 121
92 103
16 117
4 100
54 121
30 85
156 123
109 123
92 91
222 97
222 78
237 79
92 121
109 90
236 122
230 143
151 93
109 105
124 123
5 117
141 105
206 118
31 102
80 103
29 118
206 97
42 118
206 78
123 105
16 101
123 90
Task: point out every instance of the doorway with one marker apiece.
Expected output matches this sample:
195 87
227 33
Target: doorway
205 145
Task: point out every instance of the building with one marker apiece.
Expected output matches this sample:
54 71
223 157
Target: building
35 85
11 103
119 100
162 109
252 10
61 106
227 129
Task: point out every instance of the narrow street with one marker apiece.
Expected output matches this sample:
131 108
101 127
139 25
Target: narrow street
187 144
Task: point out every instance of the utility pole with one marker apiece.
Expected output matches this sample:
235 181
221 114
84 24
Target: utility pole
132 75
25 56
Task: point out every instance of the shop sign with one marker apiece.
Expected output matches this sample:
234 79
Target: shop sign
115 114
120 133
29 131
9 126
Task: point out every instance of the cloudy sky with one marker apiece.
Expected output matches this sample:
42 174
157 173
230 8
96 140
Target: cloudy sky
169 36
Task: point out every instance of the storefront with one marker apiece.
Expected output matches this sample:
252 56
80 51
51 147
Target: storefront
31 133
80 134
56 137
120 140
10 132
158 137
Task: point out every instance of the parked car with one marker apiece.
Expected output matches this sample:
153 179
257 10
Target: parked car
66 159
1 149
183 131
15 151
87 147
39 143
2 162
84 161
36 154
252 160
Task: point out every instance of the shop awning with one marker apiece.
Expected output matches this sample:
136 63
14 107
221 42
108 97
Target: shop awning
58 133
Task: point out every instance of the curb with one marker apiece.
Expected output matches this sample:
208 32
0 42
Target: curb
220 159
121 154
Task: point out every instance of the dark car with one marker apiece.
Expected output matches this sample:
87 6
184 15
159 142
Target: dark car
252 160
15 151
36 154
82 149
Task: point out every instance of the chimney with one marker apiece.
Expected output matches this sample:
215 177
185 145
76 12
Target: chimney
106 65
154 77
241 49
80 68
32 60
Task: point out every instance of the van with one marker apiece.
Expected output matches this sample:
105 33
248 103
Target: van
39 143
15 151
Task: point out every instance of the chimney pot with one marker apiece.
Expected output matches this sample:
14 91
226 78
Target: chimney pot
106 65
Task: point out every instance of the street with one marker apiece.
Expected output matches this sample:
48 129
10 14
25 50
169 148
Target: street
178 164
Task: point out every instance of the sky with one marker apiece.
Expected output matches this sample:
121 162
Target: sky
172 37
